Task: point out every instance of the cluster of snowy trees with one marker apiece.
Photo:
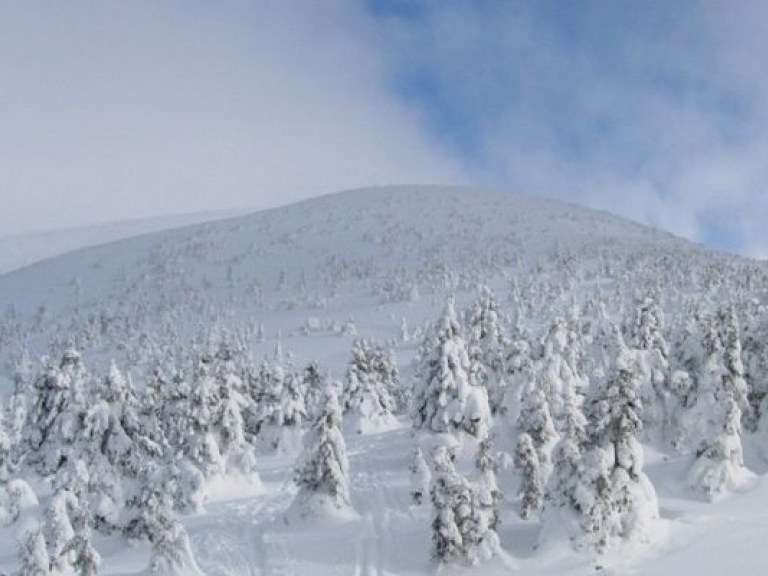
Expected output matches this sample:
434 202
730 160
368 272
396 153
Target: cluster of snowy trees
572 410
569 403
125 460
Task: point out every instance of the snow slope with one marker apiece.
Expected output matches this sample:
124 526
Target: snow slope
369 259
24 249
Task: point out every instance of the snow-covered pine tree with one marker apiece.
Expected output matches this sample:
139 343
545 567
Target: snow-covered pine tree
367 397
463 515
520 371
733 380
60 530
85 560
648 345
5 450
563 512
33 555
619 502
536 421
557 372
281 408
17 411
314 381
445 396
52 422
719 462
420 477
448 492
488 340
531 481
487 485
322 470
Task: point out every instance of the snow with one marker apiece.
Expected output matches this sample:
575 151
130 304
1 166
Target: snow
377 264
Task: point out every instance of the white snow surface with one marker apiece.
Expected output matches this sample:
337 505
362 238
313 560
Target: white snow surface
330 260
24 249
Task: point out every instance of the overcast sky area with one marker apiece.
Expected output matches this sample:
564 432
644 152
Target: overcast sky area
119 109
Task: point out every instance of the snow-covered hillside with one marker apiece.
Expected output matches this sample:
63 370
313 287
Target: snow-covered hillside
579 386
22 250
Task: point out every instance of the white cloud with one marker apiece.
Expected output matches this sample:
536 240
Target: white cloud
121 109
659 113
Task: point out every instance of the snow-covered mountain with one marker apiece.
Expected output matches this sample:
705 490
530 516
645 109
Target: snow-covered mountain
314 277
22 250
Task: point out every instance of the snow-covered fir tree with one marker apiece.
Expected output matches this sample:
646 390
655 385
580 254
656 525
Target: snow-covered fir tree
448 493
531 482
33 555
489 343
420 476
322 470
367 392
446 397
52 422
280 405
622 502
648 345
464 516
719 463
487 463
536 421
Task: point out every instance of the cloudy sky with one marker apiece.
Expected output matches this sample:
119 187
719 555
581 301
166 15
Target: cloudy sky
115 109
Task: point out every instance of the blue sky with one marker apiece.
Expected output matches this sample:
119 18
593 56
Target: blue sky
654 110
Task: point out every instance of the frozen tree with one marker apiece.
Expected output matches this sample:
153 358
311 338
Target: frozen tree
281 405
420 477
172 554
444 383
487 485
314 381
5 450
33 555
52 422
562 509
618 501
448 493
536 421
556 373
719 461
733 378
60 530
651 360
463 514
367 393
519 373
489 343
322 470
529 468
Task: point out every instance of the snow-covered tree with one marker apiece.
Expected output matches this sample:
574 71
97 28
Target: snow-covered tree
367 391
719 462
449 493
464 515
531 481
52 422
619 501
648 345
280 405
486 487
322 470
489 343
420 476
33 555
556 373
445 396
536 421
